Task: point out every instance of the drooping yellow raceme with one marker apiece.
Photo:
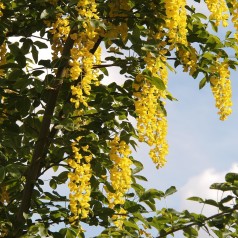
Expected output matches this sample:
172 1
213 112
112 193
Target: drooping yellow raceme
116 8
60 30
219 11
79 182
175 21
1 7
3 51
82 59
221 89
234 18
188 57
4 195
151 121
120 173
120 176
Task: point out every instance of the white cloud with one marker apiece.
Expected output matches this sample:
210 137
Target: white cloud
199 186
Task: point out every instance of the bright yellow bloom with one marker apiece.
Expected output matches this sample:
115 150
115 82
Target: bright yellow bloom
219 11
120 175
189 58
1 7
221 89
176 18
151 121
3 51
79 182
234 18
82 60
60 30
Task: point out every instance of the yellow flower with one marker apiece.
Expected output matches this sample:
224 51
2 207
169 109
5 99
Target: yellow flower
151 121
176 21
120 173
218 9
221 88
79 182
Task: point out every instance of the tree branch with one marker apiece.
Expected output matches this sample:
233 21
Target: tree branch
40 146
201 223
45 135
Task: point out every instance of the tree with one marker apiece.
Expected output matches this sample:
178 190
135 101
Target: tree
57 116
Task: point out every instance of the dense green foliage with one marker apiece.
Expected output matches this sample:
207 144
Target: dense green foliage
38 122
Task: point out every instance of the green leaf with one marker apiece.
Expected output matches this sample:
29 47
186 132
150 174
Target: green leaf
231 177
26 46
202 83
41 45
190 232
35 53
196 199
211 202
228 33
152 193
22 83
37 72
140 177
214 26
9 66
15 74
138 168
45 63
23 105
151 205
62 177
68 233
226 199
223 186
158 83
19 56
131 224
199 15
53 184
13 170
170 191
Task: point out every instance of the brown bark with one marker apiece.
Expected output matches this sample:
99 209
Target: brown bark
40 146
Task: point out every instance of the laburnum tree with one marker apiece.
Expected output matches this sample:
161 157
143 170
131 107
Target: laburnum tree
57 117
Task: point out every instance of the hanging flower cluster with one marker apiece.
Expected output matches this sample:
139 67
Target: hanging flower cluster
221 89
82 60
120 176
176 18
218 9
3 51
60 30
188 57
1 7
79 182
116 10
4 197
120 173
151 120
234 18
